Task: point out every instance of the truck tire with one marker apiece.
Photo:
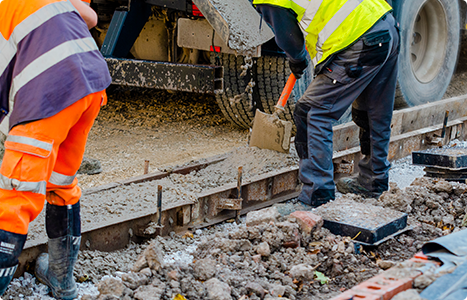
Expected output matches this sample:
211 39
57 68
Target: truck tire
234 102
272 74
430 31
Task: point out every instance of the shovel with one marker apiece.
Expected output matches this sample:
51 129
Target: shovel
270 132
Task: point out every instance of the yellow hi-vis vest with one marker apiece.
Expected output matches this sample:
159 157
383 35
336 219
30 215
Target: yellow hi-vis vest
330 26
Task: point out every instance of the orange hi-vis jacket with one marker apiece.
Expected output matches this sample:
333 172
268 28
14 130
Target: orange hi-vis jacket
52 85
43 44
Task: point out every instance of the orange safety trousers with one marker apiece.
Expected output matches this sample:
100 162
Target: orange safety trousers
41 161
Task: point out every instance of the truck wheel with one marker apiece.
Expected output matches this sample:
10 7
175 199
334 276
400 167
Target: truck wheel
272 74
430 31
234 102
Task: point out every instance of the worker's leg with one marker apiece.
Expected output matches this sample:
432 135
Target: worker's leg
27 162
325 100
63 224
372 112
31 151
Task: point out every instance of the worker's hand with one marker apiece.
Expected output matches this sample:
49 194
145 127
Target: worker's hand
298 68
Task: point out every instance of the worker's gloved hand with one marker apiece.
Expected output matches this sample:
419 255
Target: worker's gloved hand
297 68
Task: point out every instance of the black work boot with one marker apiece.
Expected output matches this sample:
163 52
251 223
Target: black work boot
351 185
55 269
11 245
322 196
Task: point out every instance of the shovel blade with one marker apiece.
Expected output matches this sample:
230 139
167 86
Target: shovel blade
270 132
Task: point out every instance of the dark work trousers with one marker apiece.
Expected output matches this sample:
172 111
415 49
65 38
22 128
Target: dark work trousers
364 76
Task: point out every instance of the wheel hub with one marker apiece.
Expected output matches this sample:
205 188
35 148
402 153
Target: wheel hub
429 41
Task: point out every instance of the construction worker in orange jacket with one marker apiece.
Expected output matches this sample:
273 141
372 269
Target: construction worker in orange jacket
52 85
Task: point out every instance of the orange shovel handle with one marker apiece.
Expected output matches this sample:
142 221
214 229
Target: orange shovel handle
286 92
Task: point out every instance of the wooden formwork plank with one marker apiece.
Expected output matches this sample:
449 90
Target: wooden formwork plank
405 120
403 145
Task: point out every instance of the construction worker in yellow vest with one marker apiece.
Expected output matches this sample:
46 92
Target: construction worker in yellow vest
353 47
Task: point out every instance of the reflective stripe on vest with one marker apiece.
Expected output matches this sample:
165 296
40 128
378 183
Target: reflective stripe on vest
8 47
309 15
60 179
49 59
23 186
332 26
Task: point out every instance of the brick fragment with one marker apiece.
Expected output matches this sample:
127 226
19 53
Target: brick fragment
307 220
385 288
266 215
360 295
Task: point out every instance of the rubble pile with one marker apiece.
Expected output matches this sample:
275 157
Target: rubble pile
282 252
271 256
435 202
278 256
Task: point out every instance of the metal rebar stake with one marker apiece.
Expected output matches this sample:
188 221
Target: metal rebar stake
239 193
159 208
445 123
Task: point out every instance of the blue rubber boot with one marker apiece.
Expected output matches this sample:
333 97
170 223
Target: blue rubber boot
55 269
11 245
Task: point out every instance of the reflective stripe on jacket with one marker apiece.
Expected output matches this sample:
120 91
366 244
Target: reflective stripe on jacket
48 59
330 26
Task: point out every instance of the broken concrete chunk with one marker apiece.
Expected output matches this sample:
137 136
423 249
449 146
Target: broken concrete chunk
146 271
278 291
256 258
443 186
149 292
256 288
134 280
152 257
408 295
111 286
173 275
424 280
307 220
218 290
263 249
385 264
204 269
262 216
302 272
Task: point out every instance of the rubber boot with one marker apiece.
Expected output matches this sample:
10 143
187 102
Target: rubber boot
11 245
55 269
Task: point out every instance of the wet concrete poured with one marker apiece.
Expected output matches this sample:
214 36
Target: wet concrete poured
366 223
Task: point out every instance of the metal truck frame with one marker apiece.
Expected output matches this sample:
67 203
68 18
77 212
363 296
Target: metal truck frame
169 44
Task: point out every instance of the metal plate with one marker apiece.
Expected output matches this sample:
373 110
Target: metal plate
454 158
